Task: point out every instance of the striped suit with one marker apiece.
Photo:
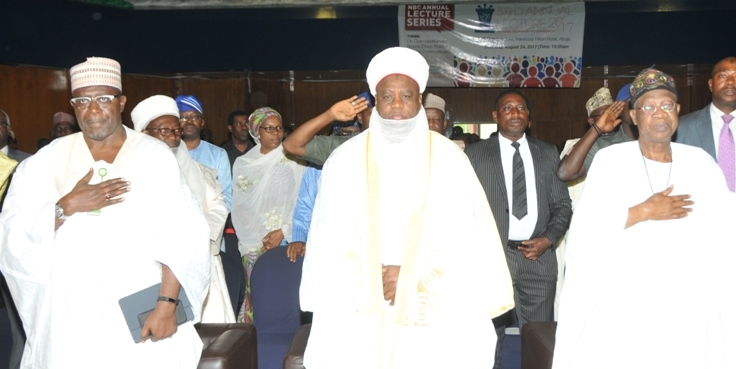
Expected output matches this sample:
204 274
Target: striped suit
534 281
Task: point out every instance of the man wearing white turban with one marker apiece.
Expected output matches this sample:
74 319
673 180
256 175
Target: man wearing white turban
158 116
94 217
386 282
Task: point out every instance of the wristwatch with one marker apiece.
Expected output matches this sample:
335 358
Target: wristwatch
60 212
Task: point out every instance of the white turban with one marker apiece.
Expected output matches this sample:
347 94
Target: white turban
152 108
397 60
96 72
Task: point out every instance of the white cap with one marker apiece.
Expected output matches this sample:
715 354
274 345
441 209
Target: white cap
96 72
152 108
433 101
397 60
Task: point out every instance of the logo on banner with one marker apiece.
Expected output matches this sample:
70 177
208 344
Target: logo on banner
485 15
433 17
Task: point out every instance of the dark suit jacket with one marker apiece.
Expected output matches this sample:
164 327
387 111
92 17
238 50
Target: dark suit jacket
696 129
554 208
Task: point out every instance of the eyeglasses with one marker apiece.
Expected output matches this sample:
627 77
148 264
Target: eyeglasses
272 129
509 108
102 101
164 131
190 118
649 109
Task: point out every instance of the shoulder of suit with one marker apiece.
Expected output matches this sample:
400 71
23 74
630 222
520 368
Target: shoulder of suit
540 143
696 116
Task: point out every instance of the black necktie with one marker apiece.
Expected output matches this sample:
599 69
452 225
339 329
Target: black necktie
518 207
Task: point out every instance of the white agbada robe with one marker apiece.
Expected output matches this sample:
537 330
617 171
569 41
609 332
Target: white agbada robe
453 279
657 294
217 307
67 283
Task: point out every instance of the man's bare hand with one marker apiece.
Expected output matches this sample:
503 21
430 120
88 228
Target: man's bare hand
347 109
272 239
661 206
86 197
390 275
161 323
296 249
534 248
609 120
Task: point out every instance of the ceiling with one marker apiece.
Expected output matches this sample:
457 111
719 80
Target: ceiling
609 6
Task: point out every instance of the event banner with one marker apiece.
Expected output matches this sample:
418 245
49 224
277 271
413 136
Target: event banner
497 45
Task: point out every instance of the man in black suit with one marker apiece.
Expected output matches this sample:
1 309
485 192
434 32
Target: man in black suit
16 326
530 204
704 128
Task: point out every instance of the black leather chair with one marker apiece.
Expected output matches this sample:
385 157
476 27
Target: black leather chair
537 345
295 356
228 346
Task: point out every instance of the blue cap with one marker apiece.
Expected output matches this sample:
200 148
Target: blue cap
367 95
188 103
624 93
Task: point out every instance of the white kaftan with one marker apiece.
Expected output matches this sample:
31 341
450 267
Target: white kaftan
657 294
67 283
217 307
453 278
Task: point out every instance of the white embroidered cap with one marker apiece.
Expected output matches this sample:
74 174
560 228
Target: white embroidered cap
96 72
397 60
433 101
152 108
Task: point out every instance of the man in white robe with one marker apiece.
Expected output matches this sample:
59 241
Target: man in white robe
96 216
389 286
649 254
158 116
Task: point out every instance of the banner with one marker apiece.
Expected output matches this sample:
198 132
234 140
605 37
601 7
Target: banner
497 45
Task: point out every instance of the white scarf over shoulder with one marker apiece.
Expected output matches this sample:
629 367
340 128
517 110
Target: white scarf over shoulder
265 188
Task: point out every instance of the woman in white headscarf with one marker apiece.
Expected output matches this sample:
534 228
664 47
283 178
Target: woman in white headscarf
265 187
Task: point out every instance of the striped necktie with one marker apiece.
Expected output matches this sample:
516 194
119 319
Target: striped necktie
518 207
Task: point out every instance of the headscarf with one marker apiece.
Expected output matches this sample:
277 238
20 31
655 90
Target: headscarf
256 119
96 72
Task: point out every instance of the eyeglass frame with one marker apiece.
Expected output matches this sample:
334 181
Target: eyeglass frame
75 100
520 108
190 118
271 129
658 107
175 131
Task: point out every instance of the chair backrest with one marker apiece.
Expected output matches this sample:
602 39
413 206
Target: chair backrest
274 288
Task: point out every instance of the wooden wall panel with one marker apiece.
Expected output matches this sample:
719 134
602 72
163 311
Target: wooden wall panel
31 96
316 97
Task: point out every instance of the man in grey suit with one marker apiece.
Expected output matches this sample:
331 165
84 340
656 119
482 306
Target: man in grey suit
16 326
530 204
704 128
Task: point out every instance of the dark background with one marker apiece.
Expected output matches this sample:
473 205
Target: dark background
60 33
